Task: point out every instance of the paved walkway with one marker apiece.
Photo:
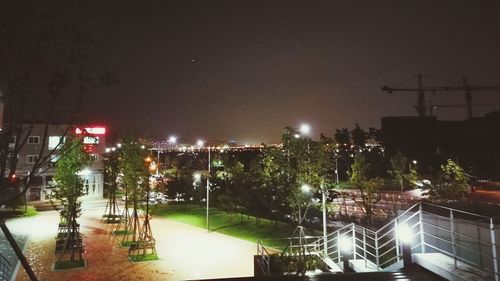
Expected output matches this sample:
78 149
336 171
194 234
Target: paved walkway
185 252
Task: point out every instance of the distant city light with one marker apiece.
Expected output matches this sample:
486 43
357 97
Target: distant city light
172 139
200 143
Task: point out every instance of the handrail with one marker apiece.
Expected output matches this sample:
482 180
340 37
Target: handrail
402 214
265 263
456 210
382 246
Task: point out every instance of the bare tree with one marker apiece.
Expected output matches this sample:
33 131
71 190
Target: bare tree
42 83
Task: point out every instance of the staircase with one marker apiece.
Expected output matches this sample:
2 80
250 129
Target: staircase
453 244
5 269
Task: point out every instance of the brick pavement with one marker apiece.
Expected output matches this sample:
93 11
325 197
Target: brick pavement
185 252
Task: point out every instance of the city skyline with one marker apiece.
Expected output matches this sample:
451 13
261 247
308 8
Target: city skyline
244 70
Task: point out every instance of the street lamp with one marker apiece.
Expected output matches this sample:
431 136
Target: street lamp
200 144
414 162
305 129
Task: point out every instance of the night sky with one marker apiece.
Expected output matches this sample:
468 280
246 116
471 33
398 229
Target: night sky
243 70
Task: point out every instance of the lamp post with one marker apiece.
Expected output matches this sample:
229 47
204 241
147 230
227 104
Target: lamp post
305 130
337 170
200 144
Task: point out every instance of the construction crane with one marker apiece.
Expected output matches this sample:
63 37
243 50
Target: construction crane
421 107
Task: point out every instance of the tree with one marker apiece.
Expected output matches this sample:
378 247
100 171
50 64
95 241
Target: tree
368 187
398 166
452 183
111 170
136 179
343 137
358 137
69 188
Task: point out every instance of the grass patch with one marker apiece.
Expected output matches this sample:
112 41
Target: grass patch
18 212
147 257
121 232
127 243
233 224
111 216
30 211
61 265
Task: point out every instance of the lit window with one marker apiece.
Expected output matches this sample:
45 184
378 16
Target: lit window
12 143
31 159
55 142
33 140
91 140
93 157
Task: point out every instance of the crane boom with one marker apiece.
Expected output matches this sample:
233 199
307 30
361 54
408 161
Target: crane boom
420 106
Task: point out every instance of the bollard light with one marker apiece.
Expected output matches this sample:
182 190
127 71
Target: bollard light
405 234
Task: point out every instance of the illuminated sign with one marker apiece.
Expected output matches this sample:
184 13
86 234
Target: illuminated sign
91 130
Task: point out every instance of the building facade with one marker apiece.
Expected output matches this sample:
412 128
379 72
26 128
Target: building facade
472 143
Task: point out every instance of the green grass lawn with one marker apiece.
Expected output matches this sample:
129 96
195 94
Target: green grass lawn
18 212
147 257
120 232
233 224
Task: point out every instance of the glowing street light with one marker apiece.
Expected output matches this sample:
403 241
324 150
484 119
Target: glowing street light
345 246
305 129
305 188
405 235
172 140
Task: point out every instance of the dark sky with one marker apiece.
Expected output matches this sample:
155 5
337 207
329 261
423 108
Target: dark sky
244 70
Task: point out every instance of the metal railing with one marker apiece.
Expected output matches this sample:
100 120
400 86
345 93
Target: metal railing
264 261
463 236
5 268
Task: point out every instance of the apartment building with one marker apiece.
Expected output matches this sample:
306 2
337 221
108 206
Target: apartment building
41 184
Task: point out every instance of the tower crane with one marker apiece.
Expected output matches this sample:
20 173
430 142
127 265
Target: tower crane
421 107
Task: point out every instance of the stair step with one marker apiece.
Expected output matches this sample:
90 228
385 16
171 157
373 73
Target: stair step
443 266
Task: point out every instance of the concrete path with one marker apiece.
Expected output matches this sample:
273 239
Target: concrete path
185 252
